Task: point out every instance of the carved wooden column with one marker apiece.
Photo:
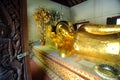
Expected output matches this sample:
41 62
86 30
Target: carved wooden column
13 17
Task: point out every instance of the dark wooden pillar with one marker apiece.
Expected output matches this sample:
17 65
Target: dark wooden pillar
13 40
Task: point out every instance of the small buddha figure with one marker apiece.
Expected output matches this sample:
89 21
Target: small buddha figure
99 41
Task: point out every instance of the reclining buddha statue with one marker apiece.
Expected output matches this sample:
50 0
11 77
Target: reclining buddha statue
94 40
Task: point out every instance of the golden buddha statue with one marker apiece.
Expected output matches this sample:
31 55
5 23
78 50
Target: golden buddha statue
99 41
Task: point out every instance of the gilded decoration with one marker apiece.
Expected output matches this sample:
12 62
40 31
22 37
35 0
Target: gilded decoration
42 17
91 40
99 41
46 20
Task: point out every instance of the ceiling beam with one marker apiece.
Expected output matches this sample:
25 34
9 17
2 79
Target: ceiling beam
69 3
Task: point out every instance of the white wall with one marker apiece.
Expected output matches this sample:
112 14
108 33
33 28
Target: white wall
95 11
32 5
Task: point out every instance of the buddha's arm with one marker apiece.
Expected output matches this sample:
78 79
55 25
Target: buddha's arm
101 29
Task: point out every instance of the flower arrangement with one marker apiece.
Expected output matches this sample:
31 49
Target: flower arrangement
42 17
45 18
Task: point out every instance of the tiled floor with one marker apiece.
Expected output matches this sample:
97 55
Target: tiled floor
36 72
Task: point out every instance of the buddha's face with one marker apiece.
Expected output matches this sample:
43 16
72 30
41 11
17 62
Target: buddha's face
64 30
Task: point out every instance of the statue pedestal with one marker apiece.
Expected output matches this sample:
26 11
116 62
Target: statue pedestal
71 68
